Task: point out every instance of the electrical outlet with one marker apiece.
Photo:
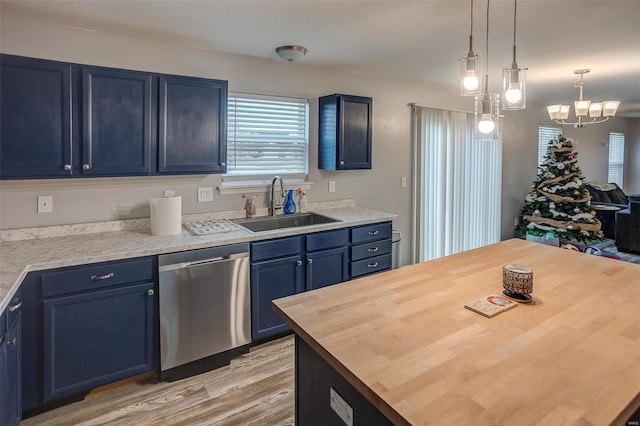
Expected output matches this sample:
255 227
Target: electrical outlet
45 204
341 408
516 222
403 182
205 194
169 193
332 186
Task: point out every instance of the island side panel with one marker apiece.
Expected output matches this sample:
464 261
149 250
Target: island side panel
314 380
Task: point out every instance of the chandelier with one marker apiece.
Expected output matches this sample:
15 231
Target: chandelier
587 112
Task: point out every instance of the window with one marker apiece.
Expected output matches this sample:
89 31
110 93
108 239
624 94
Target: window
267 136
616 158
545 134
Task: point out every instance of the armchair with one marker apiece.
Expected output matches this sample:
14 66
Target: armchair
628 226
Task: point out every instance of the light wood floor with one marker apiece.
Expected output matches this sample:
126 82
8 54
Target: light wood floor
256 389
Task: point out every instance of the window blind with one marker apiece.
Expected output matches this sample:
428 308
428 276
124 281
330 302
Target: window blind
457 185
267 135
545 134
616 158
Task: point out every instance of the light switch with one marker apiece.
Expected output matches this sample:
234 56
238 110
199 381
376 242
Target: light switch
205 194
332 186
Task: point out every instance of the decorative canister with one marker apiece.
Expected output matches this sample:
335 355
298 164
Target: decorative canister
517 279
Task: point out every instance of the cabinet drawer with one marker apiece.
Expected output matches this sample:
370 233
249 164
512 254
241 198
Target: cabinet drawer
328 239
96 276
368 266
279 247
375 248
377 231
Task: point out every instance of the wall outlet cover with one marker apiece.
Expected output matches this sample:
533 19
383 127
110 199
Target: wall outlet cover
341 408
332 186
45 204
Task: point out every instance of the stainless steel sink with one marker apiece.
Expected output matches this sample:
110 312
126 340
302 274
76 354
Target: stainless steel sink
269 223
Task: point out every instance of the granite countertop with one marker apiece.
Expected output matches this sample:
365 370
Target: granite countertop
22 256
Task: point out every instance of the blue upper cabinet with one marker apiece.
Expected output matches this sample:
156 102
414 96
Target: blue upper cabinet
116 111
72 120
344 132
35 117
192 125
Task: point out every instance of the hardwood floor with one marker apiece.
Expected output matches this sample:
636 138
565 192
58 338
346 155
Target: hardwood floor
255 389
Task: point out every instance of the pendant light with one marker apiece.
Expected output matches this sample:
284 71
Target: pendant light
513 77
470 68
487 105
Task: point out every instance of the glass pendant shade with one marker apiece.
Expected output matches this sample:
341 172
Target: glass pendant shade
470 73
595 109
609 108
514 87
582 108
487 107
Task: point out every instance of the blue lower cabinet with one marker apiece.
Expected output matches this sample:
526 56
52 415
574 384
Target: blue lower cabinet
327 267
97 337
272 279
10 364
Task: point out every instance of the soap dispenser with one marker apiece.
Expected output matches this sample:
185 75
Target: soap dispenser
289 205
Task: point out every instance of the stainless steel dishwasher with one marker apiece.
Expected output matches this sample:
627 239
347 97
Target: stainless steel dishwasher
205 316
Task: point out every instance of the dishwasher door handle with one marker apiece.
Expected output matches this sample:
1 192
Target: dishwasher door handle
202 262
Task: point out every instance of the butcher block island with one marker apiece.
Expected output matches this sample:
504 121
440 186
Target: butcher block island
400 348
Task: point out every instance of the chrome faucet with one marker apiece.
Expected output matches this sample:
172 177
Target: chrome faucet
275 206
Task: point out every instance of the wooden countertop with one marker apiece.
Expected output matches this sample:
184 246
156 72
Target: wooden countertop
404 339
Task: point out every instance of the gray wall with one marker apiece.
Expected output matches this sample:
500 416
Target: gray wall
100 199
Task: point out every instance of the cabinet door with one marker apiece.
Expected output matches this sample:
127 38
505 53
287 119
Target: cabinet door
327 267
35 118
192 125
354 134
98 337
116 108
270 280
13 381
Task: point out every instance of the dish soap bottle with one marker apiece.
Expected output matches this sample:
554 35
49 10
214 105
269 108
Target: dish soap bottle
289 205
303 203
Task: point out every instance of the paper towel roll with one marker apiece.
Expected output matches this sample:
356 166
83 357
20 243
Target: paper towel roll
166 215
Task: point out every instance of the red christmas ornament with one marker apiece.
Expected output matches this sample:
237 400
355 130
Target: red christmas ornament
569 157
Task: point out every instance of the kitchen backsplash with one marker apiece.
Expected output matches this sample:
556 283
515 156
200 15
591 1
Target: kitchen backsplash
144 223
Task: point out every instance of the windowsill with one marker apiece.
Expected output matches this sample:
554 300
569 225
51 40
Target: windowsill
257 186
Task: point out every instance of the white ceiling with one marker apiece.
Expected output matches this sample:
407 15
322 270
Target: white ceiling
410 40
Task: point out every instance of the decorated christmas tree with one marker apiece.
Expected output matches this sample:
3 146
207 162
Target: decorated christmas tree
558 204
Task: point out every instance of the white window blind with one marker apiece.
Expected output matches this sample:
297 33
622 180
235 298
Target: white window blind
545 134
616 158
267 135
457 185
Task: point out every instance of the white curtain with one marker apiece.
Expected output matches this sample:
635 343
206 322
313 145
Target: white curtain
457 185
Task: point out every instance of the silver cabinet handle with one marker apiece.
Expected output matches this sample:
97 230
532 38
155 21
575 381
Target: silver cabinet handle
102 277
373 232
12 342
309 261
86 167
372 265
373 250
67 166
150 292
16 306
342 163
299 262
223 164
